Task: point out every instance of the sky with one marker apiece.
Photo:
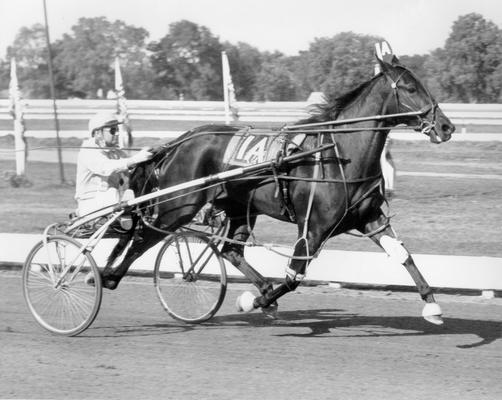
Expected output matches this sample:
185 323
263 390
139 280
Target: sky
410 26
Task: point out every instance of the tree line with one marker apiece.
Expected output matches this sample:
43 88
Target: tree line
186 63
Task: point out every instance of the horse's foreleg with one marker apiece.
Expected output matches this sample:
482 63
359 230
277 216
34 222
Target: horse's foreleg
387 240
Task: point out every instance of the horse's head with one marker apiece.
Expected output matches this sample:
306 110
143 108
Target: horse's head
410 99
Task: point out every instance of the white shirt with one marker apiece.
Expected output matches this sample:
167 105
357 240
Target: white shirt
99 169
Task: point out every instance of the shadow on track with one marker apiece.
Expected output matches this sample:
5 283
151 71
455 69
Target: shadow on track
321 323
137 330
326 322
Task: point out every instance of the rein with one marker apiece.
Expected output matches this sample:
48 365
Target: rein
426 126
422 111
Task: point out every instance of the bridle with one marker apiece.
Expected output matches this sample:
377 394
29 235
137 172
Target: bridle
426 126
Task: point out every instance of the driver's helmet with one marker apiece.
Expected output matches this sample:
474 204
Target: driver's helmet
103 120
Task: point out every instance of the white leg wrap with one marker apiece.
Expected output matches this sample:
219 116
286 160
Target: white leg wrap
245 302
394 248
432 313
293 275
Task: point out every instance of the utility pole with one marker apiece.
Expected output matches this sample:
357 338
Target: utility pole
53 95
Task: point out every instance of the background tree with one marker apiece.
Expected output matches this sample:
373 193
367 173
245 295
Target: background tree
245 62
275 81
416 63
300 66
4 78
466 69
338 64
495 81
86 56
30 50
187 61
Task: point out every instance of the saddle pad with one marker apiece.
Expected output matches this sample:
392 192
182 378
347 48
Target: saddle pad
253 146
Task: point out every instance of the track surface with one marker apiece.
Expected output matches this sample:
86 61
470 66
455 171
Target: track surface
328 344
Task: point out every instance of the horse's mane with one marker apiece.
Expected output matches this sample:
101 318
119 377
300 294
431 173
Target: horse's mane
335 104
163 150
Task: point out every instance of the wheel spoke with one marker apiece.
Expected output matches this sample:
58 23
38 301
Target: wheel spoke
71 306
190 298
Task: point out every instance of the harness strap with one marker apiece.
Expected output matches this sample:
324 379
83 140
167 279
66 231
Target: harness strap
282 192
313 186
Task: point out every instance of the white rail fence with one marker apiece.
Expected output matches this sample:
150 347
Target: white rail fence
169 118
164 113
343 267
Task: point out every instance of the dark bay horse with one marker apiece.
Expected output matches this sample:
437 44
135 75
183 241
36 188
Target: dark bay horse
332 192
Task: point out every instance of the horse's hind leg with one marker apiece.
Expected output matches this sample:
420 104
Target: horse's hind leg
234 252
305 248
141 242
388 241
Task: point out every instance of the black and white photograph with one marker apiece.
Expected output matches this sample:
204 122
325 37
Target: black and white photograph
241 200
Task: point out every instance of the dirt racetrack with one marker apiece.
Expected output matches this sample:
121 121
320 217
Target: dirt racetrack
327 344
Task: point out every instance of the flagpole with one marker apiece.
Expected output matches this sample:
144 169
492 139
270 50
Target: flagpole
229 101
125 135
17 114
53 95
226 101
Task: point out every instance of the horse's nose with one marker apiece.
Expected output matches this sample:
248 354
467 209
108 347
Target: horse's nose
448 128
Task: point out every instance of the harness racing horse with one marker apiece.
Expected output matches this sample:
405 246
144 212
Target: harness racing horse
331 192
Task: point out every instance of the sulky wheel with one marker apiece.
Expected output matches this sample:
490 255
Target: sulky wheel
190 277
55 289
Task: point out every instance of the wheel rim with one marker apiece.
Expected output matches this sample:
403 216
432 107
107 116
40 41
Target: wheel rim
71 306
190 278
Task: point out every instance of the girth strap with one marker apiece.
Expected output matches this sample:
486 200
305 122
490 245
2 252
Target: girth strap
282 190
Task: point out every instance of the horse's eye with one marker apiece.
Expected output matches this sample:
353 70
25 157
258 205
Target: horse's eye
410 87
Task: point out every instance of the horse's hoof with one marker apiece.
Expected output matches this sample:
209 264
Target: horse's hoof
89 279
110 284
245 302
271 312
435 319
432 313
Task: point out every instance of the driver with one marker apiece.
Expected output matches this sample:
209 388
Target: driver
102 168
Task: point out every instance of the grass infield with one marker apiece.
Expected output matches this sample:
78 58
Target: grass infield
431 215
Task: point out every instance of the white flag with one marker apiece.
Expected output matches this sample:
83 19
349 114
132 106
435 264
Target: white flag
15 106
231 110
125 131
17 112
383 52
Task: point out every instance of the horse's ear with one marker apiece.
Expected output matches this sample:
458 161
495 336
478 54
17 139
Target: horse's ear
382 66
384 55
395 60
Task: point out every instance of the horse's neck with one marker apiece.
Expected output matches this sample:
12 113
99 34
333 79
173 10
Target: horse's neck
370 142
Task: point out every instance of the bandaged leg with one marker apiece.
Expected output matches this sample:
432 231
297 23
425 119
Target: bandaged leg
293 276
396 251
291 282
380 231
394 248
126 219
